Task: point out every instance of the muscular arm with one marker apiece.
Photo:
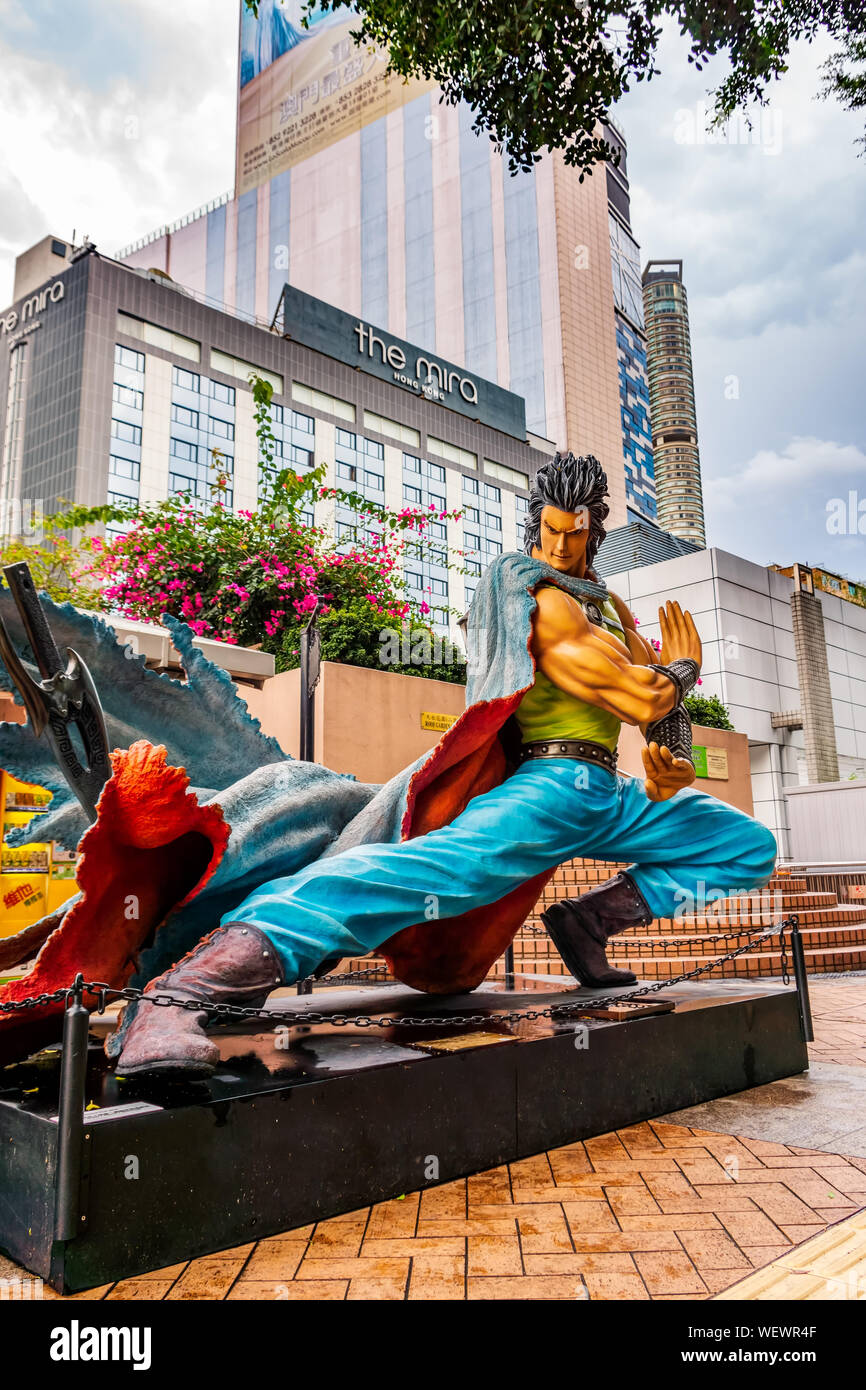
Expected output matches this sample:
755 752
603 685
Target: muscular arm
640 650
593 665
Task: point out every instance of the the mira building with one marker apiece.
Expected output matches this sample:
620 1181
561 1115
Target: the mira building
116 384
379 199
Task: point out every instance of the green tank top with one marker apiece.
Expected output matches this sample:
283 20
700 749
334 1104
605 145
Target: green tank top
546 712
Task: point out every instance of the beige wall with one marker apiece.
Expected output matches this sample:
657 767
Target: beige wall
368 722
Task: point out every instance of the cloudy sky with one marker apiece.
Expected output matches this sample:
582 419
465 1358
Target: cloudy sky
115 118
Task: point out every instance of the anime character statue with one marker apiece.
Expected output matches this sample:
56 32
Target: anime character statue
438 869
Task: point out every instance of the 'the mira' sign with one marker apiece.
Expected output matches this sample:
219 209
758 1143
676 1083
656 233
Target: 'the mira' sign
15 320
351 340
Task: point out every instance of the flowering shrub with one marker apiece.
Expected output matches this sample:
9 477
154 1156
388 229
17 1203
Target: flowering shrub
254 578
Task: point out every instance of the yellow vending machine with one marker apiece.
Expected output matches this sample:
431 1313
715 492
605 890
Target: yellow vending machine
37 878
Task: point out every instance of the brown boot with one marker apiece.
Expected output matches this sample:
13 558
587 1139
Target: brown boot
581 927
236 964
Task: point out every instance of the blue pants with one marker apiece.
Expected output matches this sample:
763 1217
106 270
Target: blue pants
549 811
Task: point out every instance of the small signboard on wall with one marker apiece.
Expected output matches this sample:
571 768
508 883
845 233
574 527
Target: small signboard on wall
438 722
711 762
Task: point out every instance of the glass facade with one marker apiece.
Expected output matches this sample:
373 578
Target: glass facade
640 488
202 437
482 529
127 416
426 564
359 466
294 447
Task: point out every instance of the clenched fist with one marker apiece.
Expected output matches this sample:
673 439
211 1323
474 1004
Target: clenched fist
665 774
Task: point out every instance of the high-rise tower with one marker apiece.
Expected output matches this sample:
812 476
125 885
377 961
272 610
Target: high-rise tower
672 402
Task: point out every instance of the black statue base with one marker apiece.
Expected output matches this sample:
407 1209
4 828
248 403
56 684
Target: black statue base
303 1124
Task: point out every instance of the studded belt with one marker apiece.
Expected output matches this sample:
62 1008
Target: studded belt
580 749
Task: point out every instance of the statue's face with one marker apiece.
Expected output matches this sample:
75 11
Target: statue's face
563 539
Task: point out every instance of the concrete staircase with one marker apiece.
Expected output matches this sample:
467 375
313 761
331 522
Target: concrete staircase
834 933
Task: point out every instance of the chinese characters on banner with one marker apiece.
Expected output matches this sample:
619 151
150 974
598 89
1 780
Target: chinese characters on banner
321 90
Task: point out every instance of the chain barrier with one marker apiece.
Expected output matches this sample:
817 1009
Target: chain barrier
310 1018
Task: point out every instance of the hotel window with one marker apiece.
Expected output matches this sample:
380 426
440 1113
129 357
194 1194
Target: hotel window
128 396
181 415
294 444
123 468
122 429
198 459
470 486
183 449
411 494
352 456
128 357
492 493
219 392
187 381
471 514
122 499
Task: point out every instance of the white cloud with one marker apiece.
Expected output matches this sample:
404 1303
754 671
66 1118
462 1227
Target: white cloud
125 124
810 462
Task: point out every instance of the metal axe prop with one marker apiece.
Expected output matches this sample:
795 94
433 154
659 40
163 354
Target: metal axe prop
64 700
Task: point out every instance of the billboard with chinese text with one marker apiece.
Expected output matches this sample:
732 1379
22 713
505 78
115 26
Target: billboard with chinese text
302 89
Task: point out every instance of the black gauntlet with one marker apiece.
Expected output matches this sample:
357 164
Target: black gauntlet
683 672
673 731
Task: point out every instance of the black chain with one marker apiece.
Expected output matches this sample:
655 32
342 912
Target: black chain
641 944
311 1018
788 922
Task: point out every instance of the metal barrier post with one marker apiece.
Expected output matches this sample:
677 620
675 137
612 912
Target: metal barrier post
70 1116
509 966
802 981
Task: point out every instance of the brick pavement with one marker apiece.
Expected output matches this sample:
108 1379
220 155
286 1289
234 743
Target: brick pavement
655 1211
